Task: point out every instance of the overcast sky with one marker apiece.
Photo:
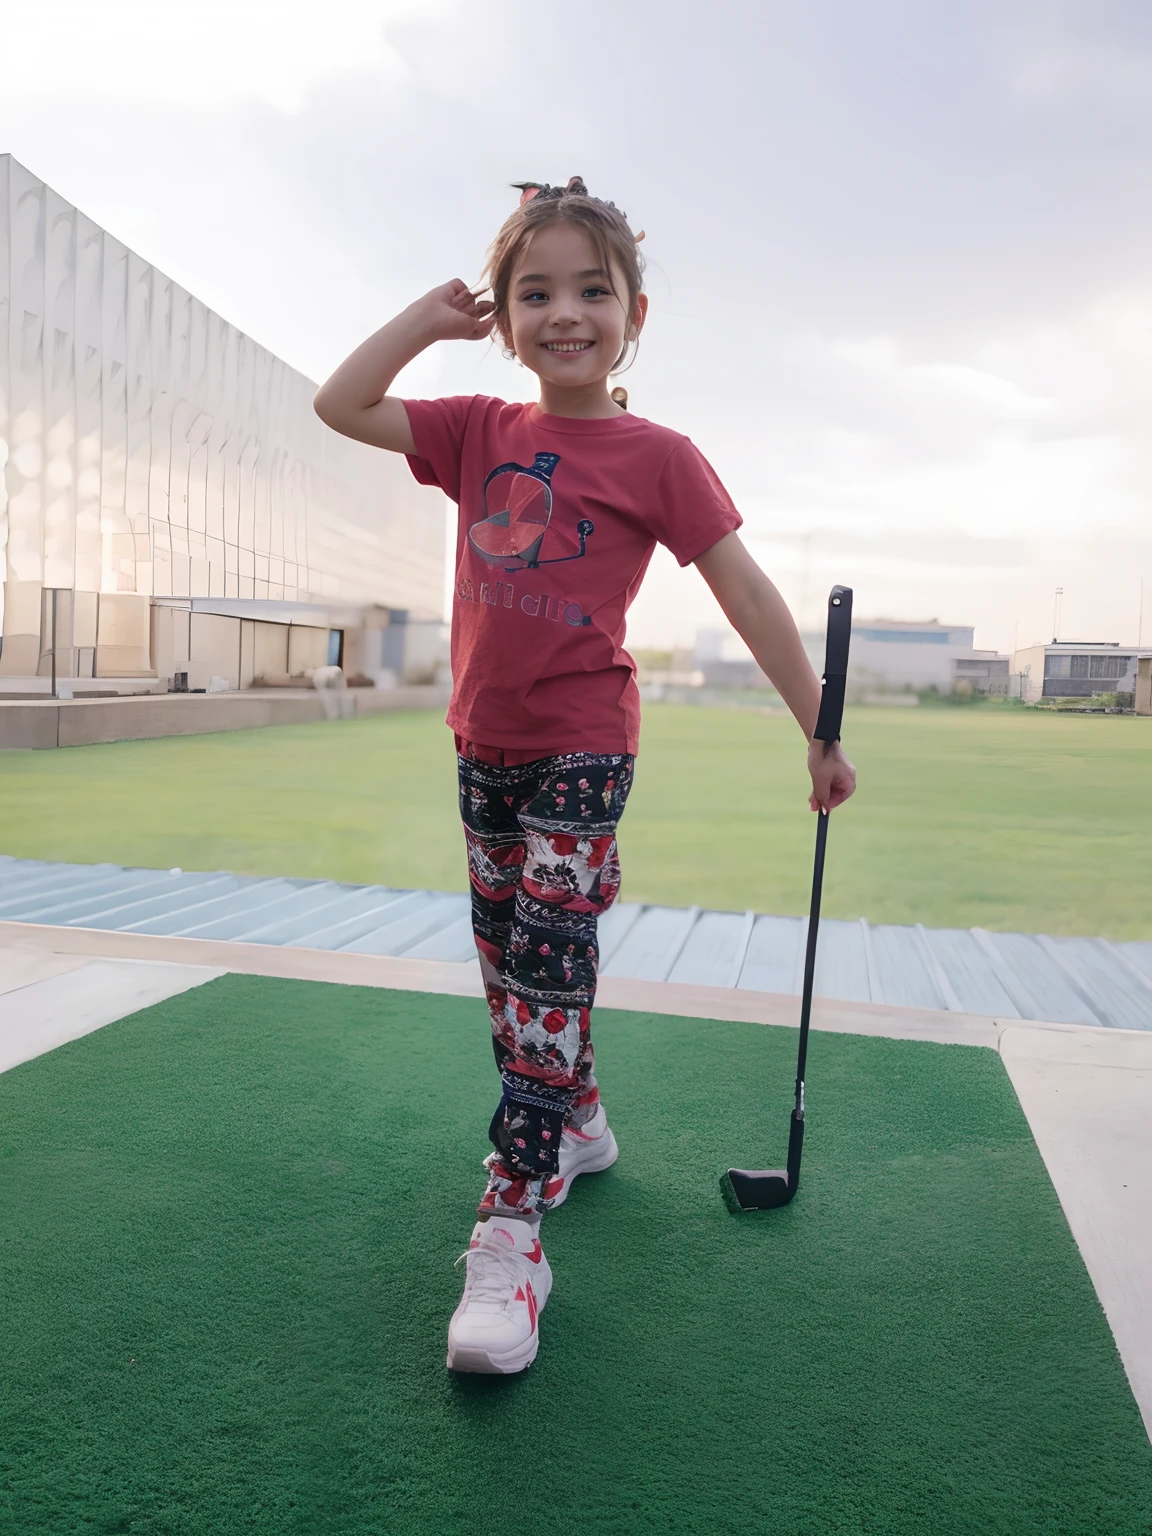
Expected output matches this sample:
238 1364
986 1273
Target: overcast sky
900 253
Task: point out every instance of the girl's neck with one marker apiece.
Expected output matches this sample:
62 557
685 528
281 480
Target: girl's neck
589 402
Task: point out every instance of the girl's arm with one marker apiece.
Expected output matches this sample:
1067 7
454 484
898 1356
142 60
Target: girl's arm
760 616
355 400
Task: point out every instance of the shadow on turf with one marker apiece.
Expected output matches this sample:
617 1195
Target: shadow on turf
482 1394
478 1392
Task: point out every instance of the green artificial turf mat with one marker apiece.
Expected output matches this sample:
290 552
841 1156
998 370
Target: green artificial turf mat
227 1227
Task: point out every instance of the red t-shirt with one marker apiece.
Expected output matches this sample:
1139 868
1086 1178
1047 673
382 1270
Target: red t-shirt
558 520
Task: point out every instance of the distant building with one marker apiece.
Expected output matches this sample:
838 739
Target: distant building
1077 669
899 653
985 672
169 501
721 660
887 655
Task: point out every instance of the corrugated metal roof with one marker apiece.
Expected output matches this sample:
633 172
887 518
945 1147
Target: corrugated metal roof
1011 975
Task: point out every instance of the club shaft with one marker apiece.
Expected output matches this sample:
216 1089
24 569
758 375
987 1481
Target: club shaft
810 953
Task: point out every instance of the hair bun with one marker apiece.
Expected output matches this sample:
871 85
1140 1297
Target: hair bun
576 187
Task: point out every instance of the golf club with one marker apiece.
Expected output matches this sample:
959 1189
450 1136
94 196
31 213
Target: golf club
767 1188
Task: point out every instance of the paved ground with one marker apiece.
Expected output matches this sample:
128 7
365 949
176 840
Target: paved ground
48 999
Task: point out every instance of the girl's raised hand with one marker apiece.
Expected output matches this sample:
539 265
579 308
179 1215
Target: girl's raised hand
455 313
833 776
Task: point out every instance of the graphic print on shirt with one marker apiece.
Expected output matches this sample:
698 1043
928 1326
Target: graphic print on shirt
518 511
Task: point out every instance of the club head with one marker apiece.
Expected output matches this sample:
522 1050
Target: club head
765 1189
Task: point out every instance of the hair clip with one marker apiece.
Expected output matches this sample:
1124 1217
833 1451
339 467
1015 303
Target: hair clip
576 188
529 189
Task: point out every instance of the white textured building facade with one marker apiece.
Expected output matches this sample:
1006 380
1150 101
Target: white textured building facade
150 450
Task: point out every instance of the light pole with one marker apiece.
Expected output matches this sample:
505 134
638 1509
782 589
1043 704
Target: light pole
1056 615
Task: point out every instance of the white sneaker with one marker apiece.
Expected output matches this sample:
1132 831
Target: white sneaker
493 1330
591 1149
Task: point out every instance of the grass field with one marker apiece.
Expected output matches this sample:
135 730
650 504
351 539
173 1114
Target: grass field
1006 819
228 1231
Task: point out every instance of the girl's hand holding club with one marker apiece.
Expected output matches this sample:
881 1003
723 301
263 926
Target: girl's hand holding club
833 776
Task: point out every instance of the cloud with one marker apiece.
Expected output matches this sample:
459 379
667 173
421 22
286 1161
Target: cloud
900 291
927 552
221 52
1075 70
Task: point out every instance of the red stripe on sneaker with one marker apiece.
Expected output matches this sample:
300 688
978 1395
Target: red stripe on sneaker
535 1253
531 1307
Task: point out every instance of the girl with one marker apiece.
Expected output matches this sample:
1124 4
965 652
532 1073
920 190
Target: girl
561 505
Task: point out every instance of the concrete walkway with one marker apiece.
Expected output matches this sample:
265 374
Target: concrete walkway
963 971
48 999
1086 1091
1087 1094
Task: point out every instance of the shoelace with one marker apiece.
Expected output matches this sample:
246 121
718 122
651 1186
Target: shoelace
494 1274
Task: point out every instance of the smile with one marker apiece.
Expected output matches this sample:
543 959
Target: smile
568 346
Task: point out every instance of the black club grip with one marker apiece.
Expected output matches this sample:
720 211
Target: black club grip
831 714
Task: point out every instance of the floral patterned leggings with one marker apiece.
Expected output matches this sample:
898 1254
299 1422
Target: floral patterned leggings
543 865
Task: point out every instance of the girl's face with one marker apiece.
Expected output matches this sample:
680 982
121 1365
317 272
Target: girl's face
565 320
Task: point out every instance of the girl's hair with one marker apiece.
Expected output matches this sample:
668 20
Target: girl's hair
541 206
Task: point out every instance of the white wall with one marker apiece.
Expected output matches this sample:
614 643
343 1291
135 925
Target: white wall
215 650
901 663
124 647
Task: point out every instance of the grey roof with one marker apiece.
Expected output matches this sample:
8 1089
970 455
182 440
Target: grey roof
1011 975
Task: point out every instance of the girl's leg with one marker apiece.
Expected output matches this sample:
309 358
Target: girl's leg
490 796
541 1003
